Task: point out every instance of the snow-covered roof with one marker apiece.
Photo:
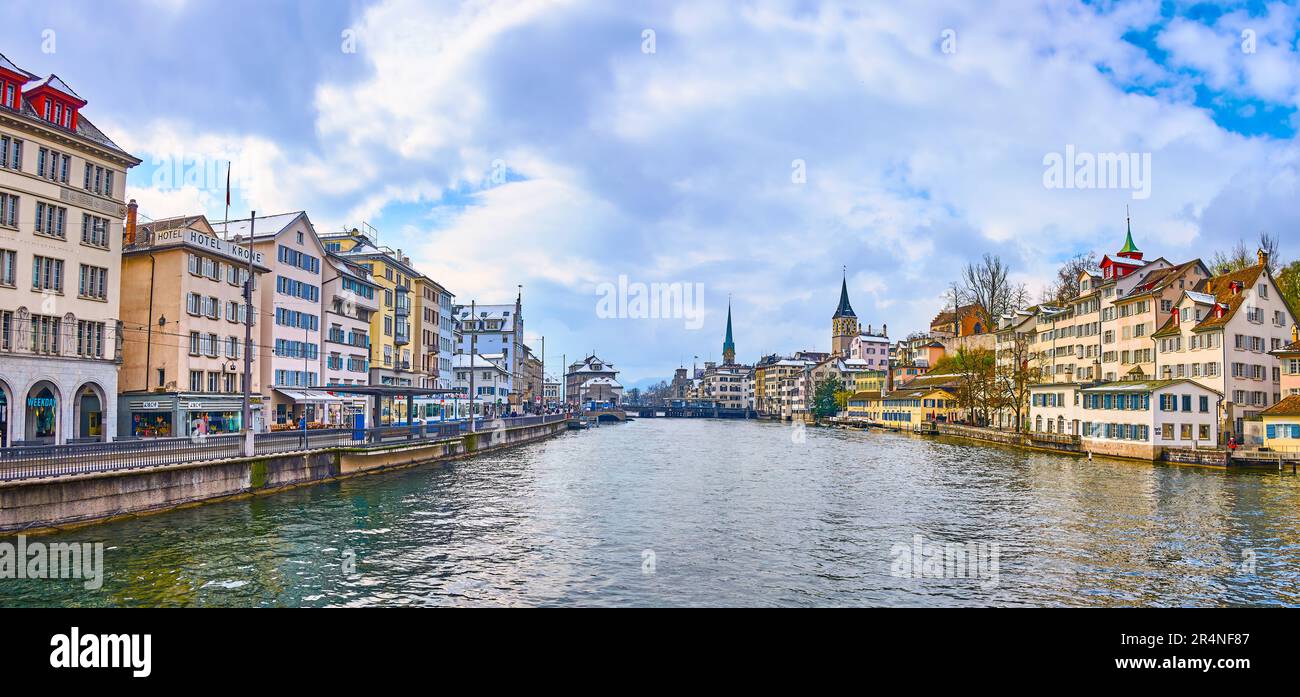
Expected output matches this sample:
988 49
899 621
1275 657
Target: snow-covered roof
54 82
267 226
9 65
462 360
501 312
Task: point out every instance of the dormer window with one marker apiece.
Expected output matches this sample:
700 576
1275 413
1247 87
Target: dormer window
55 101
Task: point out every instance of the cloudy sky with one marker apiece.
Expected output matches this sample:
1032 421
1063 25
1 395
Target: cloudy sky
756 148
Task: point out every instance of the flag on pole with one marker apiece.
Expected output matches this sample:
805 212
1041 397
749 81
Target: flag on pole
227 184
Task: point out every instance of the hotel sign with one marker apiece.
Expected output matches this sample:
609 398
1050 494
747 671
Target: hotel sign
208 243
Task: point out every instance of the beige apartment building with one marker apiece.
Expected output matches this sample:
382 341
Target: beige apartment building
1221 334
183 314
1104 334
1146 308
62 190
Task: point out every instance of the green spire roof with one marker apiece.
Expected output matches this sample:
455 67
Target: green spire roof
845 309
728 344
1129 247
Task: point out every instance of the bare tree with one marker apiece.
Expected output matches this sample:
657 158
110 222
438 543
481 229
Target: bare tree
1015 376
1241 256
987 284
1066 285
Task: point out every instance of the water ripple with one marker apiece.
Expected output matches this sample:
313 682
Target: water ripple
735 513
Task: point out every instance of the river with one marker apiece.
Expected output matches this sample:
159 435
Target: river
700 512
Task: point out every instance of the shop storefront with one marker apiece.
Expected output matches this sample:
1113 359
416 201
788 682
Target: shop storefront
321 409
42 416
168 416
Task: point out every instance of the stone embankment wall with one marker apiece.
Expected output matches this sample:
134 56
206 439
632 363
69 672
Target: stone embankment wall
40 505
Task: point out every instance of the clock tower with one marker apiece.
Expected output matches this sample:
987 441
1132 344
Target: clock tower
844 324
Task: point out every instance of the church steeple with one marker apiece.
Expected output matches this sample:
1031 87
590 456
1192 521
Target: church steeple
844 324
844 309
728 345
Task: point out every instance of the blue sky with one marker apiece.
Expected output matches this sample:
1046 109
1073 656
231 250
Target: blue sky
542 144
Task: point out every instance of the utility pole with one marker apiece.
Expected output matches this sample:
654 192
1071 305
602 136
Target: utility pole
543 386
473 352
306 370
250 448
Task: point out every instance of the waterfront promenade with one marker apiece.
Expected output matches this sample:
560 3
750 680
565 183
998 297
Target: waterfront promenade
79 484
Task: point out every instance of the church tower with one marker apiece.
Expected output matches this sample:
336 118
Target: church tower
728 345
844 324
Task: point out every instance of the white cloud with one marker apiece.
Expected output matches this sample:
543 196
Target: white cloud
676 165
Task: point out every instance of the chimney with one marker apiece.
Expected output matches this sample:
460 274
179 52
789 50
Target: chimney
1263 258
884 330
129 233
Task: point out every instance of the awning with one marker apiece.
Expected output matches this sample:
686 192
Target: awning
302 397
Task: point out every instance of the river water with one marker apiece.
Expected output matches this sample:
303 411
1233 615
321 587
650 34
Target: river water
702 512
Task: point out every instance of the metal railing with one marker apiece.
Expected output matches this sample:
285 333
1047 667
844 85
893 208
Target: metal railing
29 462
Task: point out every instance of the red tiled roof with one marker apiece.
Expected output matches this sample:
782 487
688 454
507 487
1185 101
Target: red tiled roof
1287 407
1221 288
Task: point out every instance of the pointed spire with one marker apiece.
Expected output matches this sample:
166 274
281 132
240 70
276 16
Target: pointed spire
1130 250
844 309
728 345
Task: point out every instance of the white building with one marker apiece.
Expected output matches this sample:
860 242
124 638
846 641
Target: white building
495 329
1221 333
1134 418
551 391
725 384
490 379
62 187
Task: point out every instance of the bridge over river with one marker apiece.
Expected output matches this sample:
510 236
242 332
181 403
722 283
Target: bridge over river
690 411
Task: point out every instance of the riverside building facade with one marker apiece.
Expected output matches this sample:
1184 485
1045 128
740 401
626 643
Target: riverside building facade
183 313
290 308
62 189
1220 334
